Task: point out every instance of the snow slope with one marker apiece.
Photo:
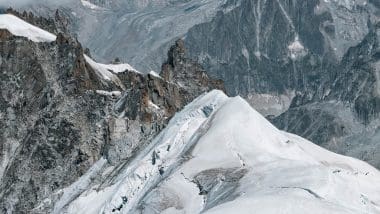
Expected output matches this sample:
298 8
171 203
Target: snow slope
90 5
107 70
19 27
219 155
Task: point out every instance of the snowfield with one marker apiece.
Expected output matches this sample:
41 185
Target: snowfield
19 27
219 155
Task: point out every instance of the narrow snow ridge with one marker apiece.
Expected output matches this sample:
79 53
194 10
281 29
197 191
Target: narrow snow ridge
19 27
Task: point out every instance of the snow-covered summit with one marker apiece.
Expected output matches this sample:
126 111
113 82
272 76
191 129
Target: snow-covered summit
219 155
19 27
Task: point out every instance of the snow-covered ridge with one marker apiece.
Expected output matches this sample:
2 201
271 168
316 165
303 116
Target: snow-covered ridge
219 155
108 70
19 27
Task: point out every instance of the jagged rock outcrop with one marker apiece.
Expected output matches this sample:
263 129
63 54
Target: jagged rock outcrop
57 121
152 100
49 127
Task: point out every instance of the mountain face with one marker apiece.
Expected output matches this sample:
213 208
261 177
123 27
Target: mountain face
139 32
78 136
312 67
62 112
218 155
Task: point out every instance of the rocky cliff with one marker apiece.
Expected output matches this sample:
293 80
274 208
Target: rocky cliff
60 117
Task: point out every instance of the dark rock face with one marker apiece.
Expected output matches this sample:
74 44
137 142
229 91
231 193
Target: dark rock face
218 185
194 78
249 47
353 86
55 126
48 131
150 101
323 52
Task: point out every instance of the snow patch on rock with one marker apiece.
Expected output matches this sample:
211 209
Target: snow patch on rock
90 5
155 74
107 69
19 27
296 49
114 94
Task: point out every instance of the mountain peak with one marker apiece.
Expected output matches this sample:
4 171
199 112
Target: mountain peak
218 155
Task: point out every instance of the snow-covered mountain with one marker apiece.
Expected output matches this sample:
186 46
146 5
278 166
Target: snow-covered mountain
79 136
218 155
61 112
311 66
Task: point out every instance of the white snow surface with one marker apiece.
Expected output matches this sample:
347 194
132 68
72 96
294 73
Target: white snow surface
90 5
107 70
79 186
19 27
155 74
296 49
115 94
282 173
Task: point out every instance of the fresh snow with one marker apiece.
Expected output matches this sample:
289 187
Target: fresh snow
109 93
79 186
296 49
90 5
155 74
153 105
19 27
107 70
213 141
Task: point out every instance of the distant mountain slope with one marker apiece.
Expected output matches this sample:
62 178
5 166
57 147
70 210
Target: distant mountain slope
218 155
139 32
